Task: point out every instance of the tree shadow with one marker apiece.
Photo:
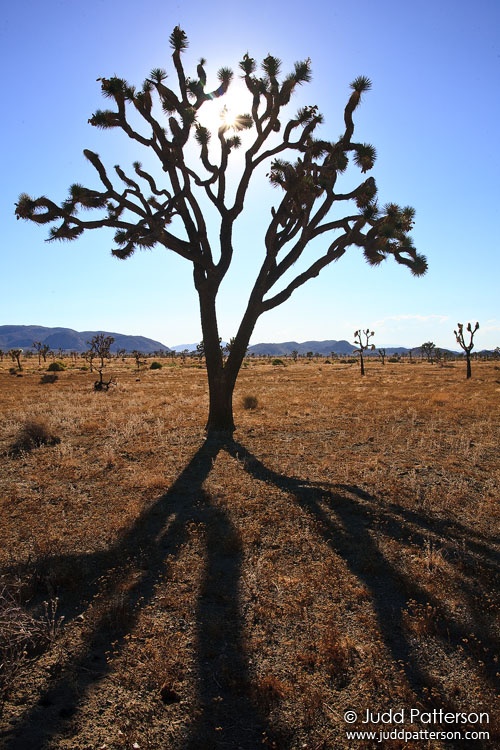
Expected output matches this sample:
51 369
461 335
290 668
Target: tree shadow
344 516
226 712
148 548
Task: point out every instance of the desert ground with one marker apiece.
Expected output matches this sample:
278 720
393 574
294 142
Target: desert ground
167 591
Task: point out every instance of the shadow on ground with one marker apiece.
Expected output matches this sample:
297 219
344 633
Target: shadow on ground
228 714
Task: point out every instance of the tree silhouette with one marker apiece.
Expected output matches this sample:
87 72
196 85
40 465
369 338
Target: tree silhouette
146 212
459 335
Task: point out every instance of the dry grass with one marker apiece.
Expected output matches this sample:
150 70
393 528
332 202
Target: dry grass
338 554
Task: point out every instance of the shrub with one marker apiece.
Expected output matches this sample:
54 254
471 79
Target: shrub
56 367
155 366
33 434
48 378
250 402
22 636
278 362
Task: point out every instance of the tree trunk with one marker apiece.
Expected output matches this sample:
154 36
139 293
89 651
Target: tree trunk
469 369
220 412
222 376
220 386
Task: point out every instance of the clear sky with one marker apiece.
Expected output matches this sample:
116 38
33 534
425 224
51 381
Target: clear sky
433 115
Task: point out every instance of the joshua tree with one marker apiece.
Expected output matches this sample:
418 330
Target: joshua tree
382 355
200 349
101 346
15 355
139 359
362 345
193 211
42 351
459 335
427 350
89 357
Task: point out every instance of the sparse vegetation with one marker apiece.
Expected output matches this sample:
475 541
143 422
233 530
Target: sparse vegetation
339 551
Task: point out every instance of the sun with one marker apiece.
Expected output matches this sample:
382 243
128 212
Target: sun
226 110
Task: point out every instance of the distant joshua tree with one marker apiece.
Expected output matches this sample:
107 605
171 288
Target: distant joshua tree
101 346
358 340
139 359
89 357
16 357
382 355
42 350
459 335
427 350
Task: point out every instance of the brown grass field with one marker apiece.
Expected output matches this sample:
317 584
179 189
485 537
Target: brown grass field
162 591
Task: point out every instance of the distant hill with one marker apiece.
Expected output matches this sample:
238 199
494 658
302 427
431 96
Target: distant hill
22 337
66 339
322 348
316 347
326 348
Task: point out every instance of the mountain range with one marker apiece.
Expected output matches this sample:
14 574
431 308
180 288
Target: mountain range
68 340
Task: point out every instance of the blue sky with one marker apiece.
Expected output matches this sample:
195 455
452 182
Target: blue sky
433 115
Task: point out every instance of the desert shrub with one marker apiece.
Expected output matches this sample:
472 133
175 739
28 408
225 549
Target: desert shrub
49 378
278 362
56 367
33 434
22 636
250 402
155 366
